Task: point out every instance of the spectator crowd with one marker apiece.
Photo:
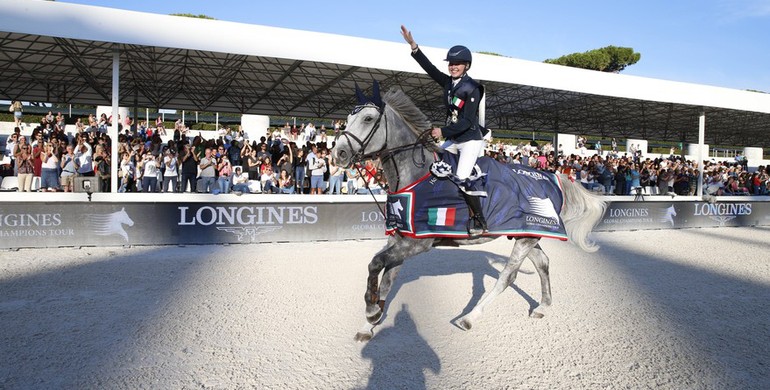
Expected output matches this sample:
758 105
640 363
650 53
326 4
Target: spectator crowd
611 173
288 160
295 160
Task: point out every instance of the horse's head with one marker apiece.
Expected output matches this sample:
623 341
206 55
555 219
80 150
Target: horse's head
123 218
361 136
668 215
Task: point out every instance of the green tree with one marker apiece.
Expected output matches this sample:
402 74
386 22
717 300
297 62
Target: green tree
607 59
492 53
194 16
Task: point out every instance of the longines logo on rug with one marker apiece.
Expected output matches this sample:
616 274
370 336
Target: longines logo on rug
545 213
110 224
534 175
722 212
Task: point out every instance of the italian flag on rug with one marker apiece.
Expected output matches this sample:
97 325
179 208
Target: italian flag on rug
441 216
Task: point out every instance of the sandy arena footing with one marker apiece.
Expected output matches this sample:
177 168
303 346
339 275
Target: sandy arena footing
674 309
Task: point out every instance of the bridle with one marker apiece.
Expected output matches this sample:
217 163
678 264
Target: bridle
363 144
383 153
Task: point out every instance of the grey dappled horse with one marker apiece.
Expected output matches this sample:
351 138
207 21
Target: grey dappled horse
393 129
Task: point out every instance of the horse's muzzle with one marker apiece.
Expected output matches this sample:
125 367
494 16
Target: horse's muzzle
341 157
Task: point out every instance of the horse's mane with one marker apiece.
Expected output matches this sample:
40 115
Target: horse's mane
401 104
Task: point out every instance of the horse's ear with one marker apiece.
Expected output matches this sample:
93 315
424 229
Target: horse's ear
376 98
360 95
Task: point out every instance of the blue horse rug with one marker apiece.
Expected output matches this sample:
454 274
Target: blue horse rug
520 202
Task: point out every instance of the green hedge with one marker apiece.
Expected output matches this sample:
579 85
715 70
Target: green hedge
8 117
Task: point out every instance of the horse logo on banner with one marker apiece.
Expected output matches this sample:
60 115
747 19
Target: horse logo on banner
667 215
110 224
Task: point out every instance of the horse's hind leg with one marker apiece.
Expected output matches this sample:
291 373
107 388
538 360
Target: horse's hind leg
389 259
540 260
520 251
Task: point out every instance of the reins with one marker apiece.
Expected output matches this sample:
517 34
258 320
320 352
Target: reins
384 153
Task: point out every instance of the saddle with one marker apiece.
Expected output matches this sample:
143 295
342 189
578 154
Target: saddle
520 202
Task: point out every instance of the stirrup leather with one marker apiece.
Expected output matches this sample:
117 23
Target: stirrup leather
477 225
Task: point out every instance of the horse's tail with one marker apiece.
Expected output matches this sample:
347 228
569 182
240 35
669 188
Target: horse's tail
581 212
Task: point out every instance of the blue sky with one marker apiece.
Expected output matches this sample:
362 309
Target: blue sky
716 42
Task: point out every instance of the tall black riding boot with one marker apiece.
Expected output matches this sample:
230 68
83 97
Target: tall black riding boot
477 225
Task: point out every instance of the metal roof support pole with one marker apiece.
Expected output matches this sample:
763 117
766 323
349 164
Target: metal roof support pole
114 130
135 116
701 141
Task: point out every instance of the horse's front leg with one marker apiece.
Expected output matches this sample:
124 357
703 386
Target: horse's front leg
389 259
521 249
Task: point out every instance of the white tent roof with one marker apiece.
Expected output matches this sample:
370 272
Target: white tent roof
61 52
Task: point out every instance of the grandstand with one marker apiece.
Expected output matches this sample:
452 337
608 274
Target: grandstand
183 64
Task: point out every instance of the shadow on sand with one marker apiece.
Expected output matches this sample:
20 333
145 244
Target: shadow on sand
400 356
724 318
63 327
477 263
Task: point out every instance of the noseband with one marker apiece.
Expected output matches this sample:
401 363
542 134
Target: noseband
363 144
383 153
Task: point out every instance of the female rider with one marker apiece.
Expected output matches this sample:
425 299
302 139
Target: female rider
462 132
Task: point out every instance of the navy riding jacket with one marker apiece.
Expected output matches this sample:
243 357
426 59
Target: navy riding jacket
461 101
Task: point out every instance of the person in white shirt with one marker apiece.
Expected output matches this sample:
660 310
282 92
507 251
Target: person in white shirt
68 172
269 182
50 178
207 173
84 159
149 173
171 174
10 145
310 132
127 173
317 167
240 181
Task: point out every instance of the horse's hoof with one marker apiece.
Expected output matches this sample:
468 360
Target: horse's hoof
538 312
374 318
373 314
363 336
465 323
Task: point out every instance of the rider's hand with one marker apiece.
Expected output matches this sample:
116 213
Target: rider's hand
408 37
436 133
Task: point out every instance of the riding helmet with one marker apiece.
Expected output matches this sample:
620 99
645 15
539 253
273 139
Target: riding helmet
459 53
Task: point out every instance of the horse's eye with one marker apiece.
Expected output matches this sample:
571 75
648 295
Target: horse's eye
368 118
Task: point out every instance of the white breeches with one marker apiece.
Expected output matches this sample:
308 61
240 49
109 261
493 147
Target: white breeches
469 152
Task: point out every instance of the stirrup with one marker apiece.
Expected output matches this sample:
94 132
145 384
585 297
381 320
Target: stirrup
477 226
